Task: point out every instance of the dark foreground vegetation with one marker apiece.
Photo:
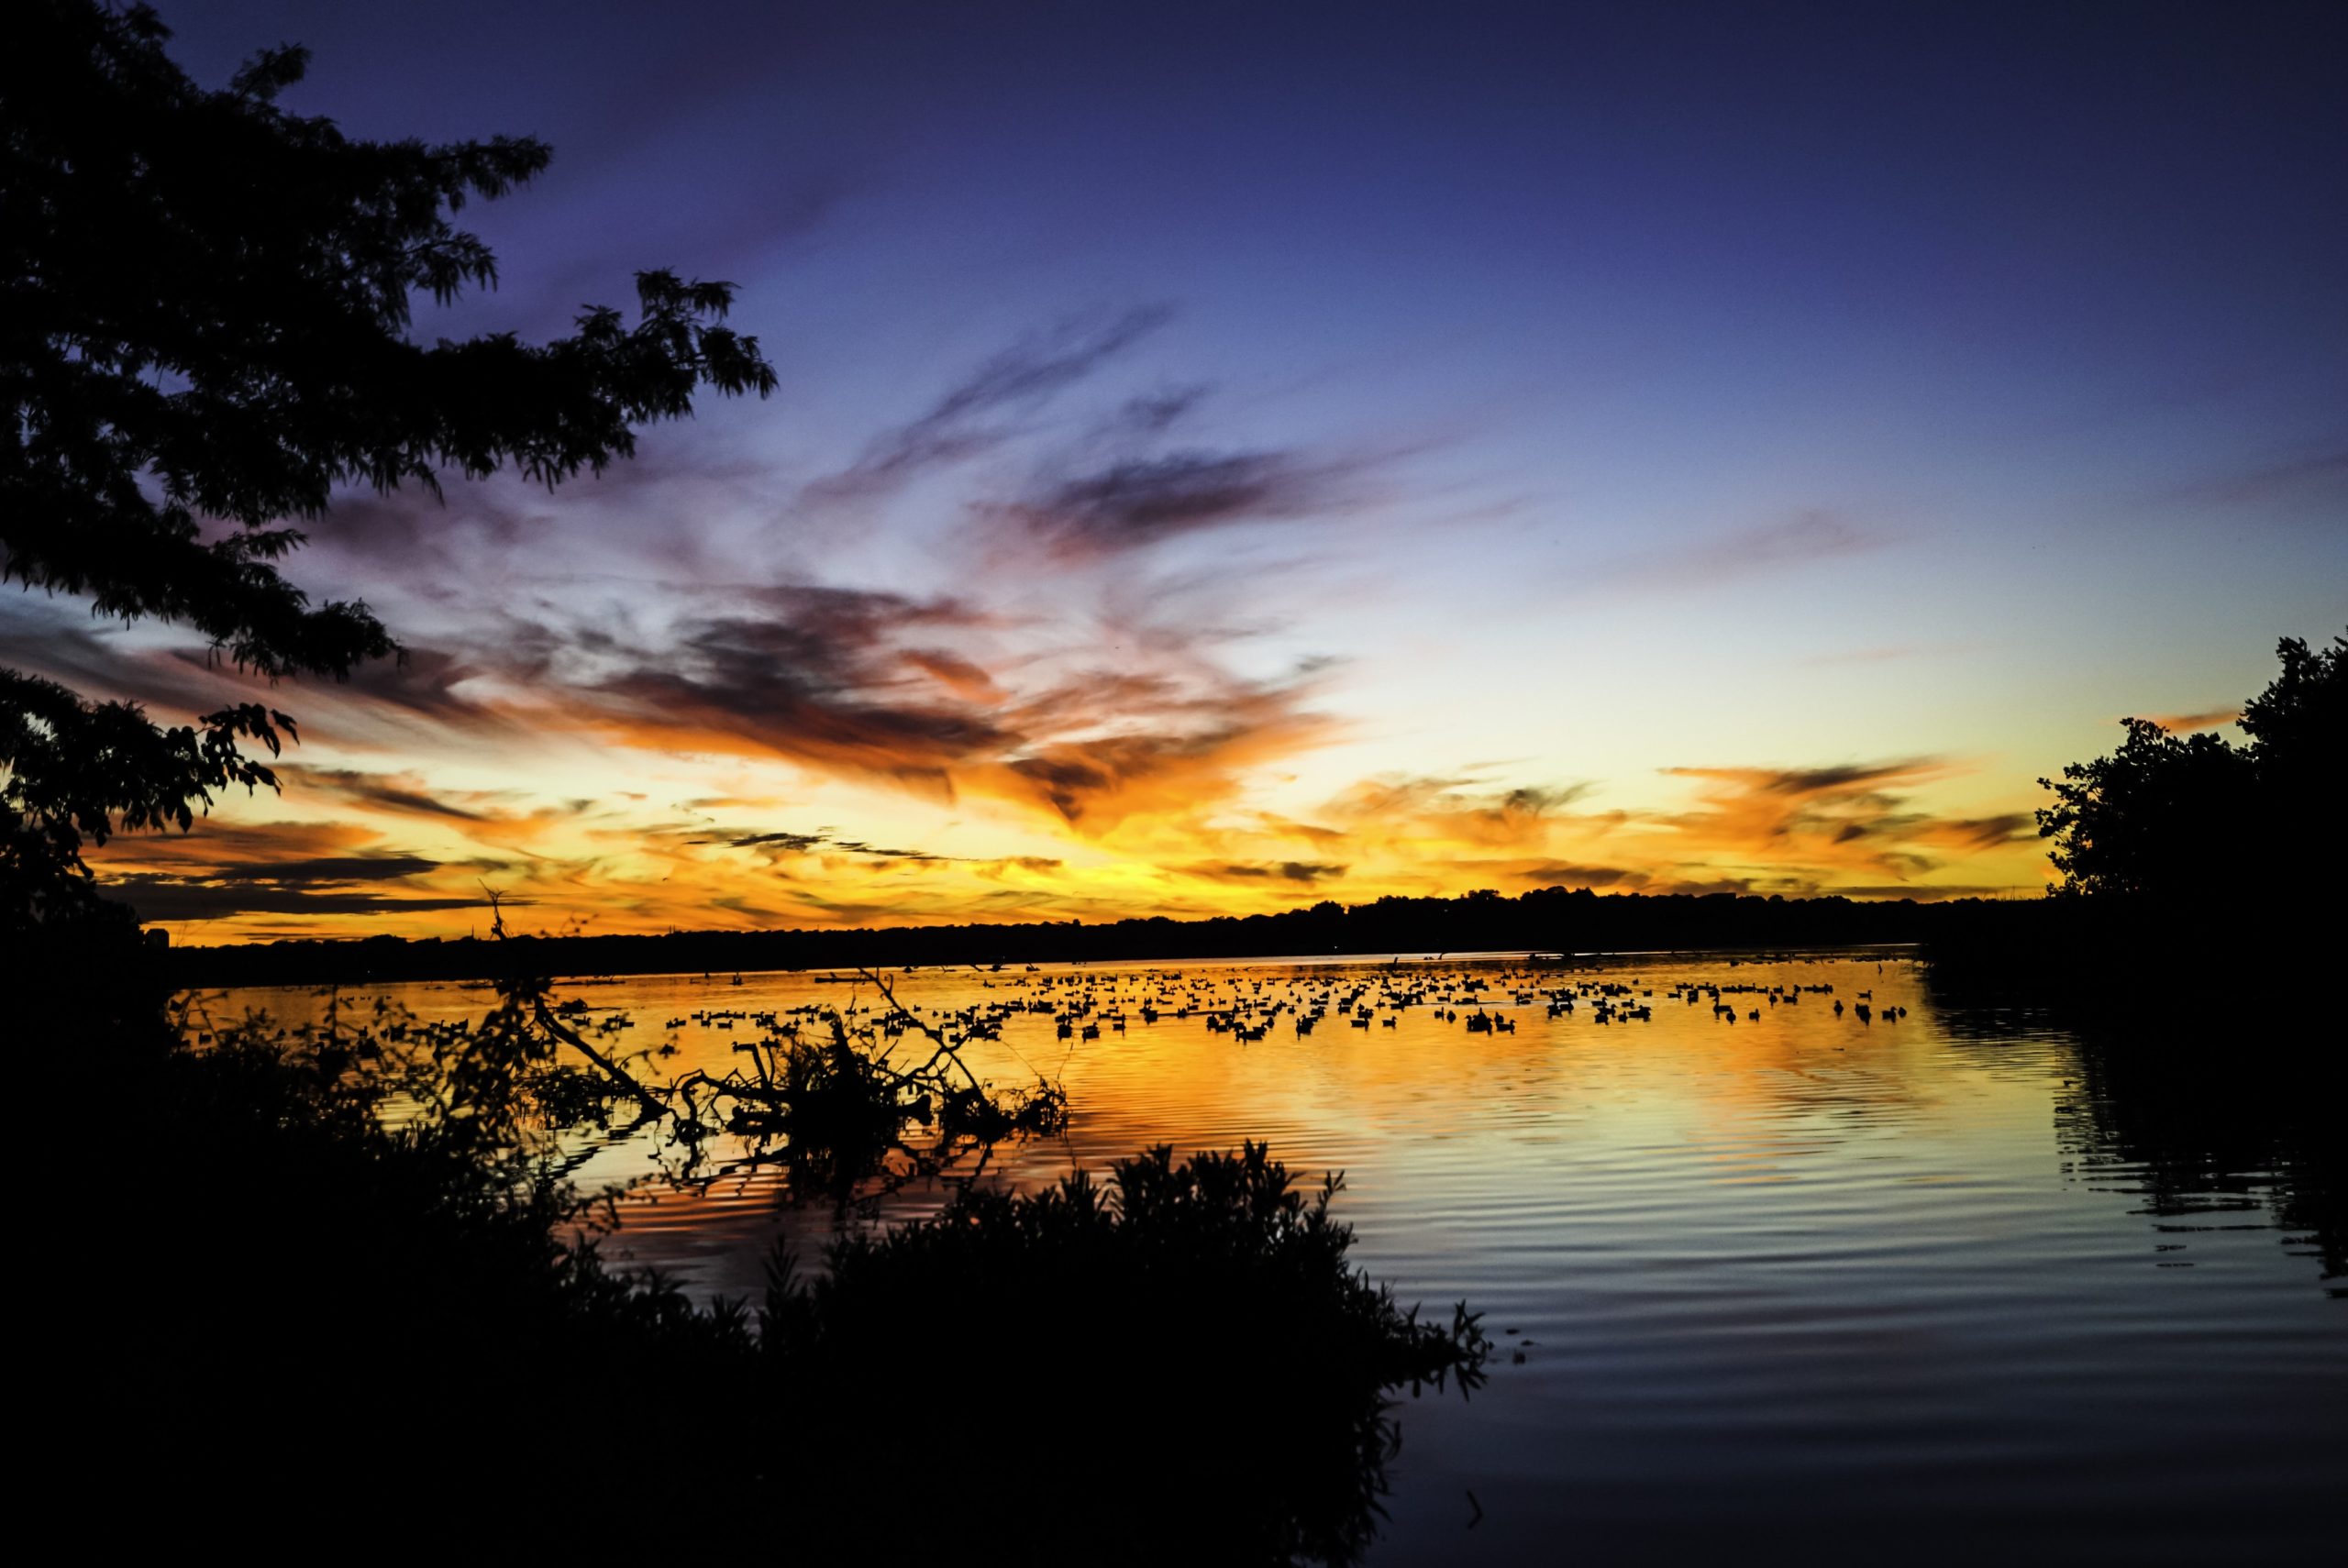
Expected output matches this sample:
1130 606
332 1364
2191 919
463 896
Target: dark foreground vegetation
350 1279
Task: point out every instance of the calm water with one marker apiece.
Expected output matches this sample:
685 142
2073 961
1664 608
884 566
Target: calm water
1928 1288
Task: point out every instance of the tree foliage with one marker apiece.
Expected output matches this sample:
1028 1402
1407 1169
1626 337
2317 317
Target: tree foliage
2176 820
76 769
205 315
2299 729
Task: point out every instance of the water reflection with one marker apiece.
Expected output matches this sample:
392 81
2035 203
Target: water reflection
2202 1131
2241 1143
1908 1270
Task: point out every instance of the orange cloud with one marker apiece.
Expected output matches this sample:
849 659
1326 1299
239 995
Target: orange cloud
1829 823
307 871
2185 724
1159 831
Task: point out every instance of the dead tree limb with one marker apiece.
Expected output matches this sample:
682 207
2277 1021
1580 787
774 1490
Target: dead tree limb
652 1104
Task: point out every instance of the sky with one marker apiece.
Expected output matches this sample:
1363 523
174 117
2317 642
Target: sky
1228 457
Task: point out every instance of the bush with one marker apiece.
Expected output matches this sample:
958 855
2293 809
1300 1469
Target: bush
1175 1366
295 1312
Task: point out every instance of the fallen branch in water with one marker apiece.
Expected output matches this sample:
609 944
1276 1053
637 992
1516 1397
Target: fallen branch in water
620 1078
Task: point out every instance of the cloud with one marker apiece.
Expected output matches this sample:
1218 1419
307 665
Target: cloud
1828 823
1279 827
859 685
1151 415
2185 724
734 682
104 663
956 674
1561 874
1137 501
334 868
401 794
821 840
176 900
223 870
1169 750
1806 538
419 537
1433 833
1304 873
814 674
971 417
214 842
1981 833
168 671
728 804
383 702
1810 537
1810 782
857 847
1453 811
795 843
2313 476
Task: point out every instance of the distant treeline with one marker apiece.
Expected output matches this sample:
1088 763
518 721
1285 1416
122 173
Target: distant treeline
1549 920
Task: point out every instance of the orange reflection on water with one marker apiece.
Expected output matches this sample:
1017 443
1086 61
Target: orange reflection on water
1766 1261
1547 1115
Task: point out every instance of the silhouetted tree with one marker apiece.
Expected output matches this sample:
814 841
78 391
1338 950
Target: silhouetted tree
2162 816
204 329
2298 731
76 768
2178 820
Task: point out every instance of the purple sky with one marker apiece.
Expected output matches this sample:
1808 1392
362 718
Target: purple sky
1196 420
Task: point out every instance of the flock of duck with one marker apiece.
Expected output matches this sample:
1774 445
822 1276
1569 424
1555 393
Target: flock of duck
1084 1005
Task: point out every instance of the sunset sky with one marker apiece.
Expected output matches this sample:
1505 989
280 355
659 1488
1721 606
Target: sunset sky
1232 457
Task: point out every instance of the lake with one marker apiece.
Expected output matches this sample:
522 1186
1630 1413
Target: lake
1932 1286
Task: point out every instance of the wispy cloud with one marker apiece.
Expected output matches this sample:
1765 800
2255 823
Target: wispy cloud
1151 415
978 413
101 662
1565 874
734 682
329 868
2185 724
1457 810
176 900
862 685
1186 748
1807 538
2305 475
1303 873
227 871
1137 501
1831 823
823 840
403 794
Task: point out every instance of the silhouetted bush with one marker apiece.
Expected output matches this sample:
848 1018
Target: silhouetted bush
1177 1366
315 1293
